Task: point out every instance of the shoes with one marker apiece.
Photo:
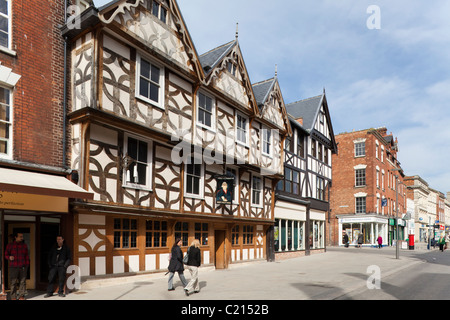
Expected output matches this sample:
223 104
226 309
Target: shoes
196 291
62 295
173 289
48 295
186 292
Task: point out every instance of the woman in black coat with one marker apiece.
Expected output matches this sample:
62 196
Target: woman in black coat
176 264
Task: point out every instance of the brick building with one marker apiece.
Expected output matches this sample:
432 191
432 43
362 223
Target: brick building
363 196
34 190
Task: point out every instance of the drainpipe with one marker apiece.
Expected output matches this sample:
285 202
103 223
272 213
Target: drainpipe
64 165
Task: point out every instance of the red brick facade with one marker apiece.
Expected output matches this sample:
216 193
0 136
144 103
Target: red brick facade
345 189
37 55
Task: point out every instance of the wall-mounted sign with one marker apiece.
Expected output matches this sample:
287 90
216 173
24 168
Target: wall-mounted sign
33 202
225 190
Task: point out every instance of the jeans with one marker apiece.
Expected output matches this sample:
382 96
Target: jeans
17 281
182 278
61 273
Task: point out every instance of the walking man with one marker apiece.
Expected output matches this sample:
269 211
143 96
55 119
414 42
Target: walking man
19 261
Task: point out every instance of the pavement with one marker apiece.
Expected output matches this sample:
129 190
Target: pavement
325 276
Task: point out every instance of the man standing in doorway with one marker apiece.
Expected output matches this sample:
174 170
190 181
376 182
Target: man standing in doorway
19 261
59 259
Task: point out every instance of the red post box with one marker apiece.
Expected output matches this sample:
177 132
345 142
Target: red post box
411 242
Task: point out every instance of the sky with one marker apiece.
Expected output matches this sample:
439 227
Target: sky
382 64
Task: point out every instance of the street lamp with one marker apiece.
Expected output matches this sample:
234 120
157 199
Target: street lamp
397 249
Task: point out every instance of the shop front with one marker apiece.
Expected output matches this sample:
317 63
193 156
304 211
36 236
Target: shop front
369 226
36 205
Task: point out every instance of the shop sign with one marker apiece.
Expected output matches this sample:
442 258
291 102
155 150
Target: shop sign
33 202
392 222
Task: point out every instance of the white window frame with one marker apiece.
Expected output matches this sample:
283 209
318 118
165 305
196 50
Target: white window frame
264 142
161 93
201 195
149 182
213 111
261 191
161 5
365 204
9 141
357 147
9 17
247 130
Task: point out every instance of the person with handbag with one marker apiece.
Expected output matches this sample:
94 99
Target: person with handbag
176 264
193 263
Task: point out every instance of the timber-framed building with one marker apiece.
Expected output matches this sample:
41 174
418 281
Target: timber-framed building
153 125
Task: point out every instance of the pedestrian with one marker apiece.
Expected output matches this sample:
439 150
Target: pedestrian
360 240
441 243
176 264
58 260
19 261
345 239
193 264
380 242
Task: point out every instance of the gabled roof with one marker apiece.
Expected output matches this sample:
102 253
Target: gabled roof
262 90
307 109
211 59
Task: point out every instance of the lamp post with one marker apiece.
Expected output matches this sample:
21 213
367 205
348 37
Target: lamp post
397 249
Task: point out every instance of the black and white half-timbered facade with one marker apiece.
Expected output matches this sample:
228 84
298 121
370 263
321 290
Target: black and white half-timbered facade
302 197
153 125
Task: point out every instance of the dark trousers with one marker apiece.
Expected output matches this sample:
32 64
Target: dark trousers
53 273
17 281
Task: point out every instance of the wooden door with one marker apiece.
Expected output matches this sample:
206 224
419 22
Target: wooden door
28 231
220 261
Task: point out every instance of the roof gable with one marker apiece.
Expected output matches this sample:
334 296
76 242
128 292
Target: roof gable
225 70
308 110
271 103
170 38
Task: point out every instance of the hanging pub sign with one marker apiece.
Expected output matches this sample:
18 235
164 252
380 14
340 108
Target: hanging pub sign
225 190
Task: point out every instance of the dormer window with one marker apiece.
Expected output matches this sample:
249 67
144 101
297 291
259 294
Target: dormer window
159 9
231 68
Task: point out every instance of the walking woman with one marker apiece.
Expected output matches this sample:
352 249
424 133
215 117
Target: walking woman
176 264
194 262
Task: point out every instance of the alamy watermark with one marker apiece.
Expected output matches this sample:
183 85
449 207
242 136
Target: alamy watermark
374 20
374 281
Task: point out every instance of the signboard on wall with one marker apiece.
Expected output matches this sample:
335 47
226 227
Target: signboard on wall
33 202
225 190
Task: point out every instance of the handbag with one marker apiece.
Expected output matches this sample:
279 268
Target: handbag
186 257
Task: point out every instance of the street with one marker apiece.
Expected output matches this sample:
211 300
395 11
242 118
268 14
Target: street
426 281
338 274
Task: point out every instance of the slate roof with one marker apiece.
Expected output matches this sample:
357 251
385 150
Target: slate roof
306 109
211 58
262 90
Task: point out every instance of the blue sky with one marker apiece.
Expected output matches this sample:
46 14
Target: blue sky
397 76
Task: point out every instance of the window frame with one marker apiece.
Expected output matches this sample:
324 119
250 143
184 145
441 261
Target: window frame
266 133
161 231
213 111
10 26
320 188
259 191
161 84
9 124
360 206
201 194
360 151
246 130
129 237
149 181
360 178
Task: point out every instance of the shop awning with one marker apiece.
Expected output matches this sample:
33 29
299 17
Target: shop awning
40 184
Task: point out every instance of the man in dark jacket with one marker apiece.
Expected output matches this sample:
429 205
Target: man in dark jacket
59 259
